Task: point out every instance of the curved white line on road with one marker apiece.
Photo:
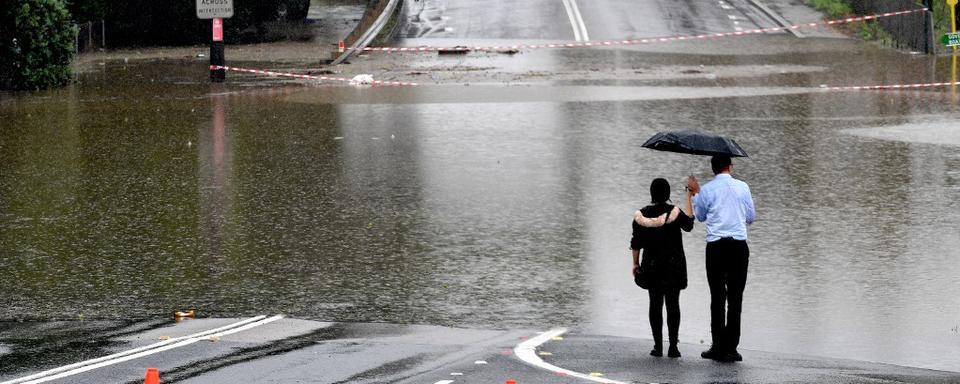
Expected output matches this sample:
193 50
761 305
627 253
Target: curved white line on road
527 351
89 365
576 20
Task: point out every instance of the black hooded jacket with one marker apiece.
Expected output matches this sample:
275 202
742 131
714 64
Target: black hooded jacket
656 230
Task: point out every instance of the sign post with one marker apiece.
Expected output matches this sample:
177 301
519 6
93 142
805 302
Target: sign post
217 60
217 10
953 19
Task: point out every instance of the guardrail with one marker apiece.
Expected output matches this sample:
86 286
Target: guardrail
374 18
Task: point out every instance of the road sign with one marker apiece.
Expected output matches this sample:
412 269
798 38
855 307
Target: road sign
951 39
214 9
218 29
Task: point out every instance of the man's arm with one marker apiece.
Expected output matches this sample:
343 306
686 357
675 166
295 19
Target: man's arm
751 212
699 205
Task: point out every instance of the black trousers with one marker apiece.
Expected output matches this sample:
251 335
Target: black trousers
727 261
657 299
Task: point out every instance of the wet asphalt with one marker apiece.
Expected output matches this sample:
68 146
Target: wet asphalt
321 188
298 351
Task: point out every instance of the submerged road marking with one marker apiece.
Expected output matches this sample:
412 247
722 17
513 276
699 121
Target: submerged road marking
89 365
526 351
576 20
132 351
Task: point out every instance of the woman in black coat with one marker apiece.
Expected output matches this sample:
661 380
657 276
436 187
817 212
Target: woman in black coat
656 230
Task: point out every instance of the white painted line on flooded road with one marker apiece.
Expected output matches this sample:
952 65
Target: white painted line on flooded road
527 351
132 351
89 365
444 382
576 20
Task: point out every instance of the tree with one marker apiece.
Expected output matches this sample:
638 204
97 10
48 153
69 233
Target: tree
36 44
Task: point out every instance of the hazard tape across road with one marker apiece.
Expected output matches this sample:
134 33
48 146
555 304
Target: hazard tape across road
307 77
880 87
652 40
891 86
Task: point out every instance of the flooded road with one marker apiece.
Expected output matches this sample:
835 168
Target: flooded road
142 190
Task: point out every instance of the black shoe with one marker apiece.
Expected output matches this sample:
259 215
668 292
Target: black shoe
734 356
657 351
673 352
714 354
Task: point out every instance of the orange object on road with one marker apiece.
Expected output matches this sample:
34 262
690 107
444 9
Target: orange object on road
181 315
511 381
153 376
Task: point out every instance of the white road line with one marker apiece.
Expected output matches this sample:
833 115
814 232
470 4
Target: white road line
444 382
527 351
583 26
84 366
576 20
132 351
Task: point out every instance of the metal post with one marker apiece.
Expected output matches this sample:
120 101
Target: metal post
76 39
103 34
217 60
928 42
953 19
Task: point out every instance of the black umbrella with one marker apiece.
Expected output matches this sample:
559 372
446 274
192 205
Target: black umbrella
695 143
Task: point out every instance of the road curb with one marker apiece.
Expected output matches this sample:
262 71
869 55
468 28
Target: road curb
776 17
380 20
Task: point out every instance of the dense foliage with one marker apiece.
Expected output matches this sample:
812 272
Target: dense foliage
36 44
158 23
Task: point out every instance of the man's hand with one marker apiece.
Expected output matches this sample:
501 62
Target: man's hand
692 185
636 268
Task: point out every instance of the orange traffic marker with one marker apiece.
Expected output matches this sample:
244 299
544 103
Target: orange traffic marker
340 46
511 381
178 315
153 376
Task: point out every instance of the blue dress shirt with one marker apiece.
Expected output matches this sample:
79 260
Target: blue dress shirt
726 207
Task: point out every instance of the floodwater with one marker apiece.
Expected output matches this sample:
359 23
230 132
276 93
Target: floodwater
142 190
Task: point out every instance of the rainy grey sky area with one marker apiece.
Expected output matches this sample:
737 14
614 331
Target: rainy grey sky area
410 233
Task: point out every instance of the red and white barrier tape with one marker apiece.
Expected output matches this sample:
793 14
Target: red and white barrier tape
888 87
609 43
400 83
307 77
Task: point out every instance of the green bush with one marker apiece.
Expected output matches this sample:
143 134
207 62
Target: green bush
36 44
833 8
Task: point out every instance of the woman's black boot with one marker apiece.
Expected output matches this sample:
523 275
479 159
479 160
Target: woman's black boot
673 352
657 350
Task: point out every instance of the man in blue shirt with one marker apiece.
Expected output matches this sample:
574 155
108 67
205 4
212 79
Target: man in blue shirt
726 207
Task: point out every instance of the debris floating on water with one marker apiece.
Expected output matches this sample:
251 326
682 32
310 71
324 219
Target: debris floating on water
458 50
364 79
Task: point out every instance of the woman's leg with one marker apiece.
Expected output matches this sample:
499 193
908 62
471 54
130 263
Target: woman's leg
673 321
673 314
656 320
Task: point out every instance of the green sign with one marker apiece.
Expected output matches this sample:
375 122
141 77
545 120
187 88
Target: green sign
951 39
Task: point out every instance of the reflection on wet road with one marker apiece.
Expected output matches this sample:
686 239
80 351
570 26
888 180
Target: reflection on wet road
143 190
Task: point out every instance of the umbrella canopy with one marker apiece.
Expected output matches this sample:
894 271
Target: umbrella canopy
695 143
